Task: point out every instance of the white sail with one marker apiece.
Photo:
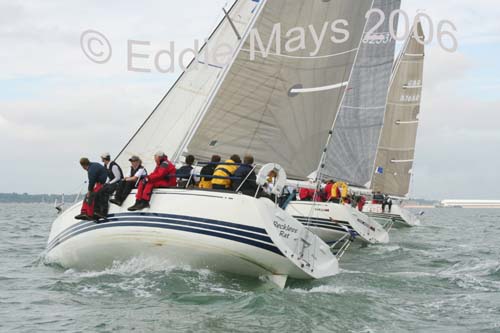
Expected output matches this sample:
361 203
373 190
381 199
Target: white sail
396 148
281 105
351 151
164 129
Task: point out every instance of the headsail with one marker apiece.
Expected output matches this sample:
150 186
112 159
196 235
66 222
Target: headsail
281 105
351 151
396 149
164 129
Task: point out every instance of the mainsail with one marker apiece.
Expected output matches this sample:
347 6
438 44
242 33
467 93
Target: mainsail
351 151
164 129
394 162
281 105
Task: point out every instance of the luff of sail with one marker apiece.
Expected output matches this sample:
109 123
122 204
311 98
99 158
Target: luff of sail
352 149
281 106
396 148
164 129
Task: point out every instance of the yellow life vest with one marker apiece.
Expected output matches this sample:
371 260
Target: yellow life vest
224 170
344 189
206 184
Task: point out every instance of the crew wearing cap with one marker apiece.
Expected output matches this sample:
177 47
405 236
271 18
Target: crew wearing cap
115 173
162 176
97 175
115 176
137 172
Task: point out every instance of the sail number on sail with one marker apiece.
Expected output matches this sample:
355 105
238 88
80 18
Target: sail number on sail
374 37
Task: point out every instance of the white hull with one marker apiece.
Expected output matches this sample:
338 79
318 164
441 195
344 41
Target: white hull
332 221
399 216
221 231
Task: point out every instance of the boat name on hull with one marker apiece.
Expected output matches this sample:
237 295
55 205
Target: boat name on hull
285 229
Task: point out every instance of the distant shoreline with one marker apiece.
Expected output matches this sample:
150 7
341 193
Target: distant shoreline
35 198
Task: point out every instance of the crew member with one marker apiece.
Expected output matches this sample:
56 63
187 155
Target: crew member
184 173
115 176
339 192
97 175
224 172
361 202
137 172
207 172
162 176
378 198
328 192
245 178
387 203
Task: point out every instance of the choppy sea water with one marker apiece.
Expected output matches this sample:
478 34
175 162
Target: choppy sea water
443 276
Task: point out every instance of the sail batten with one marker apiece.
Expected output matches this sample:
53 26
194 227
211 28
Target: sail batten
281 105
395 155
352 149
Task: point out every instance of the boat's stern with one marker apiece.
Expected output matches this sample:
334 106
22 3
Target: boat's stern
332 221
302 247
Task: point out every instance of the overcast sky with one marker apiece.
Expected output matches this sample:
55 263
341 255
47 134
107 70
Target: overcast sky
56 105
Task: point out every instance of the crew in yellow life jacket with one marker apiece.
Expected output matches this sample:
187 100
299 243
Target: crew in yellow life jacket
207 172
224 171
339 191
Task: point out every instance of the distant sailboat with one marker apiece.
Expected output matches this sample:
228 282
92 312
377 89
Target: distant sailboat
277 107
396 149
59 206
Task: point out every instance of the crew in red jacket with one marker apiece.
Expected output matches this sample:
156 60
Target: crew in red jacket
307 194
328 192
162 176
361 203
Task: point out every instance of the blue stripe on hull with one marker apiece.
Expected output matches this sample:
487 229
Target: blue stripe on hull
386 216
328 224
322 226
211 228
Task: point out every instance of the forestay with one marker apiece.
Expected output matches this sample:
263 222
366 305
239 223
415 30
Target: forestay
280 107
165 128
351 151
396 149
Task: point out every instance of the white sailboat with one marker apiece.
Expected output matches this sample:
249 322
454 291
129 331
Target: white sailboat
247 106
351 151
396 149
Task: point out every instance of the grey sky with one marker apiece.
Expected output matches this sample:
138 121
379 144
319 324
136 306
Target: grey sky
56 105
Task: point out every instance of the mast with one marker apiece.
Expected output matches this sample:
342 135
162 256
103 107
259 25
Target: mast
201 114
352 148
167 124
321 166
278 106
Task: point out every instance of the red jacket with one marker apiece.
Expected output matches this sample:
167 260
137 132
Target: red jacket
328 191
361 203
308 195
164 174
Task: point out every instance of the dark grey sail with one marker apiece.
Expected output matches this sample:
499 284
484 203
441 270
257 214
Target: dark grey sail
351 151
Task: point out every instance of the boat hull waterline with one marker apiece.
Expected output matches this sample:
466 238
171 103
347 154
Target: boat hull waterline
221 231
